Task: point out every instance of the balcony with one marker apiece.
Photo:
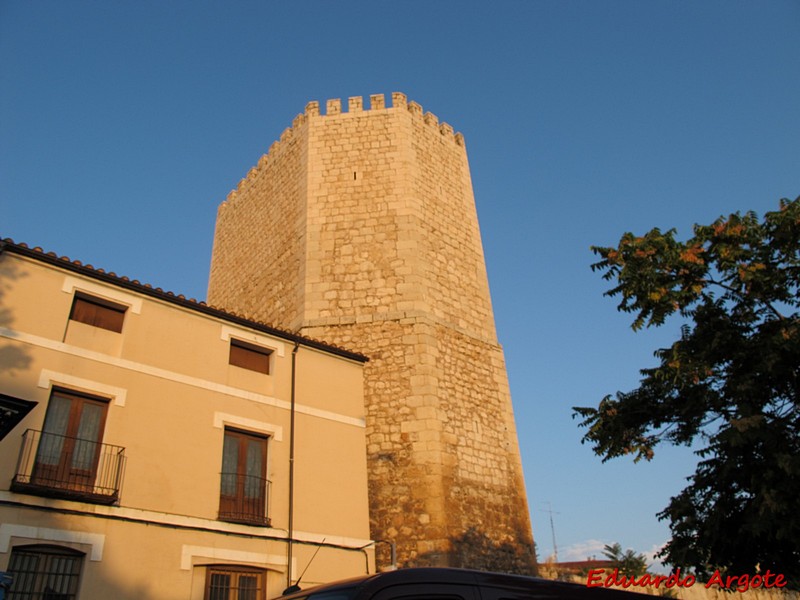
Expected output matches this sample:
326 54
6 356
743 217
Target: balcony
243 499
58 466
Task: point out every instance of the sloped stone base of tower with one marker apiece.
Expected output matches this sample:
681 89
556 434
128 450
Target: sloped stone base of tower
445 478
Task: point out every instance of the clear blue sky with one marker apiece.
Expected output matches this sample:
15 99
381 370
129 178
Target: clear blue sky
124 124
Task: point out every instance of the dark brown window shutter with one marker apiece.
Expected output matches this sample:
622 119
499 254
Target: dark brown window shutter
248 356
97 313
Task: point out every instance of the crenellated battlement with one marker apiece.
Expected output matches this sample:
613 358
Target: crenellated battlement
355 105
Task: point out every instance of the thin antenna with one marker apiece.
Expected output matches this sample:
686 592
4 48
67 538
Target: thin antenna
296 587
552 529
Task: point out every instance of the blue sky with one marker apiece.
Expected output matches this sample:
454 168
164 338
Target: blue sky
124 124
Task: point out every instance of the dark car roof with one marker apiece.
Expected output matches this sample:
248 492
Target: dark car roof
534 587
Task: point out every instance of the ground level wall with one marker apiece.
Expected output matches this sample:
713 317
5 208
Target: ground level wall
130 559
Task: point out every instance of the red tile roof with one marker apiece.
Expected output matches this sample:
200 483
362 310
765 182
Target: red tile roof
9 245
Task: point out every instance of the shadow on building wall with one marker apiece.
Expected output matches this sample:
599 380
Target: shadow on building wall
14 357
474 549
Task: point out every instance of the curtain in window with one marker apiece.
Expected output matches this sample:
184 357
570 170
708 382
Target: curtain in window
230 464
85 451
254 485
56 422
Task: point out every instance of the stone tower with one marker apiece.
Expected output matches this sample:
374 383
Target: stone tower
359 228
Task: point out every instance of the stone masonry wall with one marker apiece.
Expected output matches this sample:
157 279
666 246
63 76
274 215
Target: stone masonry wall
259 245
453 262
392 266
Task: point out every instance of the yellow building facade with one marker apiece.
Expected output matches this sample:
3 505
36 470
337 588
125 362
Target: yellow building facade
169 450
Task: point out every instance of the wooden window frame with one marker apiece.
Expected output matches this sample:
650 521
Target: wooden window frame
97 312
235 572
75 469
46 565
248 503
250 356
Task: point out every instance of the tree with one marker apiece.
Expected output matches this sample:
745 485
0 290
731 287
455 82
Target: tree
628 563
730 384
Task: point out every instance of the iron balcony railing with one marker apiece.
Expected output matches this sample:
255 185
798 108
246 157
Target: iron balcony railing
244 499
65 467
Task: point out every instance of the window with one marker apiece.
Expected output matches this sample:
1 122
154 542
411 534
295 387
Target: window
44 572
99 313
234 583
69 447
249 356
67 458
243 485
